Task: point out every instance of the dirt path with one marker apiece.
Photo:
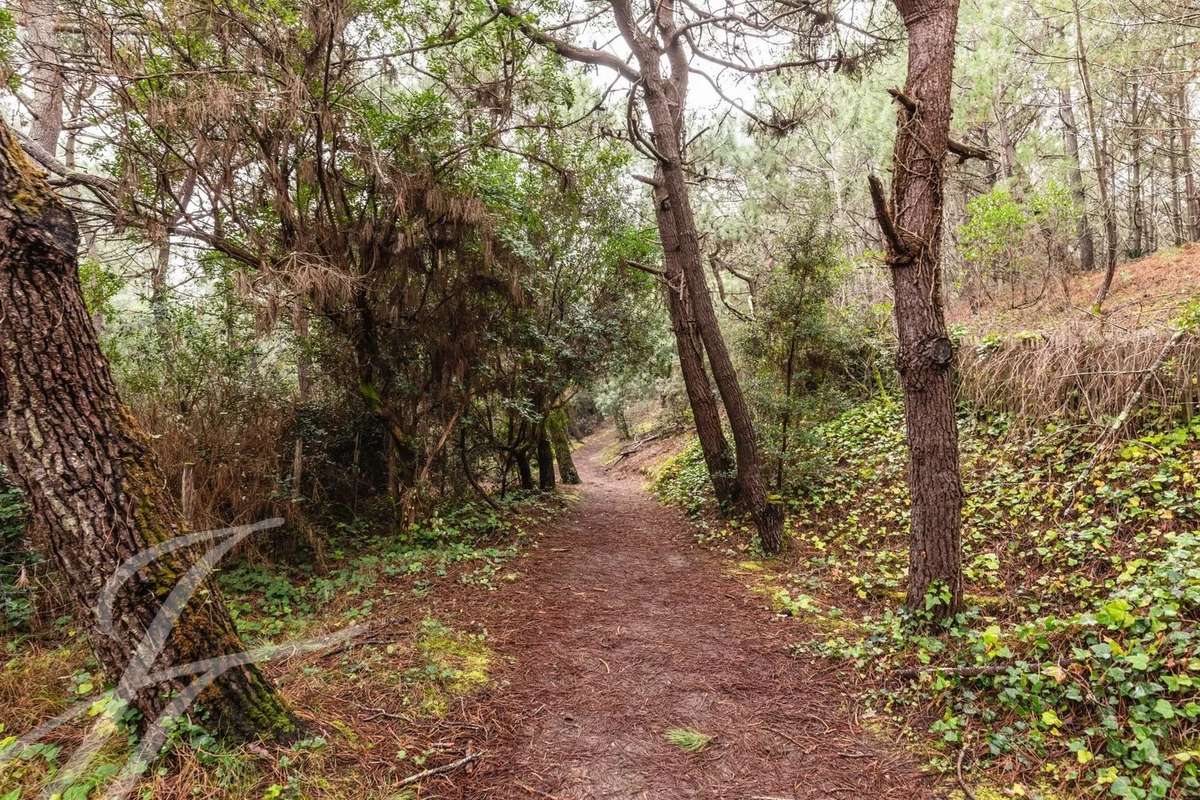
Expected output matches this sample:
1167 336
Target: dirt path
623 628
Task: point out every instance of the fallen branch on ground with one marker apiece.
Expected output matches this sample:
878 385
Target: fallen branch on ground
453 765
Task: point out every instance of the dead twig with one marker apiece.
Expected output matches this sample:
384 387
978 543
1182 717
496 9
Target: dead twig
453 765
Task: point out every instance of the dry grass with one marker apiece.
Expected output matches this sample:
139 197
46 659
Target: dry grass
1057 360
1070 378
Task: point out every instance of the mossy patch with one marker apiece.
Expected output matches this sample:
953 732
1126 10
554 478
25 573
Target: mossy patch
453 664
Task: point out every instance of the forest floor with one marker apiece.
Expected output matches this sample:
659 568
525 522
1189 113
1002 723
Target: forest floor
623 629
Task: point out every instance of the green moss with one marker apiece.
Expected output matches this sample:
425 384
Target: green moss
455 664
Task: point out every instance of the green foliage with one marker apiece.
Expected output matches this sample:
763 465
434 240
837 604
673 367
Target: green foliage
1083 589
8 41
995 226
689 740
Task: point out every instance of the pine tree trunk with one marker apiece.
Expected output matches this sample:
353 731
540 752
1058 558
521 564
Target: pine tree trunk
556 426
1190 193
46 77
1108 210
84 465
690 350
926 356
666 101
1137 216
1086 241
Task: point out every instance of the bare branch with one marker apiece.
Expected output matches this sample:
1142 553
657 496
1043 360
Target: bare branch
585 55
883 215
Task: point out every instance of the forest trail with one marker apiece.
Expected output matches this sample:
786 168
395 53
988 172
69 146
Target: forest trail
622 629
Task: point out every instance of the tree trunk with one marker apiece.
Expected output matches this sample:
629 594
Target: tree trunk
1107 210
1085 239
1190 192
524 472
666 100
1176 199
926 355
789 374
46 73
1137 216
556 426
545 460
705 414
86 469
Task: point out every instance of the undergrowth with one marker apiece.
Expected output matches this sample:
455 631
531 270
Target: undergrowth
416 672
1075 664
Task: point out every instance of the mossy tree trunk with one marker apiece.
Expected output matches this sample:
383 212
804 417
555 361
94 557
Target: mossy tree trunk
556 426
91 481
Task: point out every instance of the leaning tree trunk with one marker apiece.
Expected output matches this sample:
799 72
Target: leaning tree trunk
705 414
91 481
556 427
666 100
926 356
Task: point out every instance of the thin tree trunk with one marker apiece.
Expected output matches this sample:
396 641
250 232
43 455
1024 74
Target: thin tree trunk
690 350
666 100
46 73
1107 210
788 377
1084 237
926 355
1137 216
556 426
1191 194
1176 197
59 406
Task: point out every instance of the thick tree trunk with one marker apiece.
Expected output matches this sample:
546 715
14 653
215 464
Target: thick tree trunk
690 350
545 461
926 356
1086 241
84 465
556 426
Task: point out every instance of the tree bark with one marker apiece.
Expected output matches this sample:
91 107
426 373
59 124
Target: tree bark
524 473
926 355
1191 195
1107 209
1084 237
556 426
666 100
1176 198
1137 215
46 73
690 350
86 469
545 460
